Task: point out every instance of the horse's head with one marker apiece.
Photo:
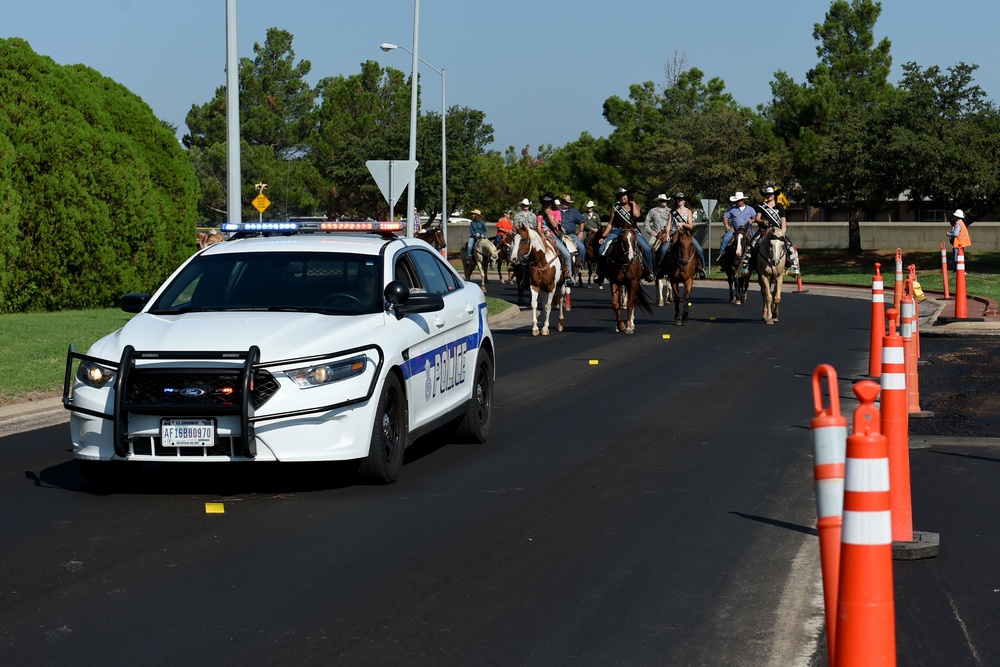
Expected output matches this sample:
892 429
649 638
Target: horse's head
434 236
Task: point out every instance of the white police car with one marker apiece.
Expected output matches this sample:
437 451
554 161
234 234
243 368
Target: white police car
288 343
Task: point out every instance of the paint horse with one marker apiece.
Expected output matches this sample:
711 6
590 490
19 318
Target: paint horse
543 267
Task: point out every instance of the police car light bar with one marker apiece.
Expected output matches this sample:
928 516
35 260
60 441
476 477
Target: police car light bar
259 226
250 227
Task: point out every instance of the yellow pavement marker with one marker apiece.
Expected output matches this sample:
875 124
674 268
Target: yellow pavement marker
215 508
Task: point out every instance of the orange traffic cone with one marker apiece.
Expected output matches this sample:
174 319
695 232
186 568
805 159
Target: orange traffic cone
895 427
878 325
866 624
829 429
944 269
897 286
961 304
907 326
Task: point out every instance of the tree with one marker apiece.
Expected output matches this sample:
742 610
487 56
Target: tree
277 110
98 197
468 136
828 115
946 132
361 117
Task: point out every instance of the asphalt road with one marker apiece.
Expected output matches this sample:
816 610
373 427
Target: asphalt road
653 509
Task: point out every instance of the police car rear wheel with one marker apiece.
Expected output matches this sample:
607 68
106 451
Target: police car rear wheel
475 425
385 454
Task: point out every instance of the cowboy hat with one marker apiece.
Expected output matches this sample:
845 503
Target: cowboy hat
548 197
771 190
525 202
662 197
738 196
959 213
680 195
475 211
566 199
591 204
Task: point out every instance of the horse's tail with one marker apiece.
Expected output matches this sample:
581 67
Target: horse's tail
643 300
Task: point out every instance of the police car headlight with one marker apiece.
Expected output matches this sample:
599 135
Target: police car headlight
323 374
94 375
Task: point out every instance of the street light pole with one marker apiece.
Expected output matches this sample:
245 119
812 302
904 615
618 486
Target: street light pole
411 194
444 141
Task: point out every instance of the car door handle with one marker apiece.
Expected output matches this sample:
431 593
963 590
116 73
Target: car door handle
469 308
439 321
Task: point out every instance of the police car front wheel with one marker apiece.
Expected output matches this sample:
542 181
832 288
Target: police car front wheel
385 453
475 425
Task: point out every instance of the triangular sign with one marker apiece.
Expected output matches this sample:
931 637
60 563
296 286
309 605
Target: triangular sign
392 177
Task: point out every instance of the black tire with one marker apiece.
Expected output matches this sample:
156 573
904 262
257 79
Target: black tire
385 453
475 425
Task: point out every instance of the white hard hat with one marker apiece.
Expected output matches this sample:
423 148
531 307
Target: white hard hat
959 213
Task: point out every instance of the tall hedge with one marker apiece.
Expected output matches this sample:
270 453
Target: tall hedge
97 197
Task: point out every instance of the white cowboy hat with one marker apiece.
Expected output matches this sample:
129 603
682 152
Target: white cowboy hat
525 202
959 213
662 197
738 196
591 204
771 190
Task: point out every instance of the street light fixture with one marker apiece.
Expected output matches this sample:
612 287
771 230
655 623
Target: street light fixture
386 47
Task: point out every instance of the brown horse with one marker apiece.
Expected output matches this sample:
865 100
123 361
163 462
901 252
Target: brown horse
771 258
623 269
543 267
680 265
732 257
209 237
504 244
592 244
433 235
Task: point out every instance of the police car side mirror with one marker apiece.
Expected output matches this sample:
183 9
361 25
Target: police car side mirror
406 303
134 302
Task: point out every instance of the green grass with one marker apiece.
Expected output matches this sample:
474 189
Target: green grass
33 360
34 348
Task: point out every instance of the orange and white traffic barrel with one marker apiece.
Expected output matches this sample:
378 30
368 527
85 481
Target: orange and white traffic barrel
907 329
897 286
866 623
878 324
895 427
961 303
944 269
829 430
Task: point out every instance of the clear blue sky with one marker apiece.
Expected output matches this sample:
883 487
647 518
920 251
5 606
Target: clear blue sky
540 69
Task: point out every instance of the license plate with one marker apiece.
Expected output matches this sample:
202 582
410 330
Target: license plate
187 432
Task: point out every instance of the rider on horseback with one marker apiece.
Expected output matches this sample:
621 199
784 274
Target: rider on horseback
771 214
504 227
477 230
681 217
738 217
549 219
625 212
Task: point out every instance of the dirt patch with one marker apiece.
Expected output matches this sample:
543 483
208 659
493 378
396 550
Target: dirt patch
961 386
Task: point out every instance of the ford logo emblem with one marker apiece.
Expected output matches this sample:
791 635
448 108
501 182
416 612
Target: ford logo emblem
192 391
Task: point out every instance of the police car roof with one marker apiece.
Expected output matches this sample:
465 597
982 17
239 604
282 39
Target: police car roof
366 238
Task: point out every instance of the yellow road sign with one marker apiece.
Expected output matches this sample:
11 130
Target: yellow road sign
261 202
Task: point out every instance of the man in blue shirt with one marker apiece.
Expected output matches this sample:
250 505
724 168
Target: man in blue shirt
477 230
740 215
572 224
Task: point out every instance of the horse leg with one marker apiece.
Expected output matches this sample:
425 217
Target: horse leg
616 304
546 312
765 293
688 286
559 300
534 311
777 298
632 294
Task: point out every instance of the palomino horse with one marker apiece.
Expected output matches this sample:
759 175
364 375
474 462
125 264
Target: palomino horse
433 235
623 269
663 294
732 256
542 264
484 254
771 258
679 266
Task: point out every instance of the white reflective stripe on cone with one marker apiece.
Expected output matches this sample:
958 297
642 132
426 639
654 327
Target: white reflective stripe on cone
867 475
867 528
893 354
893 381
830 497
830 444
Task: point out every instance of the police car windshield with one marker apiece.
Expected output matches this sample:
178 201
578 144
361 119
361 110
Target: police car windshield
321 282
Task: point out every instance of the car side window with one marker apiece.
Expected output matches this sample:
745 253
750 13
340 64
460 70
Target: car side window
404 273
432 273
